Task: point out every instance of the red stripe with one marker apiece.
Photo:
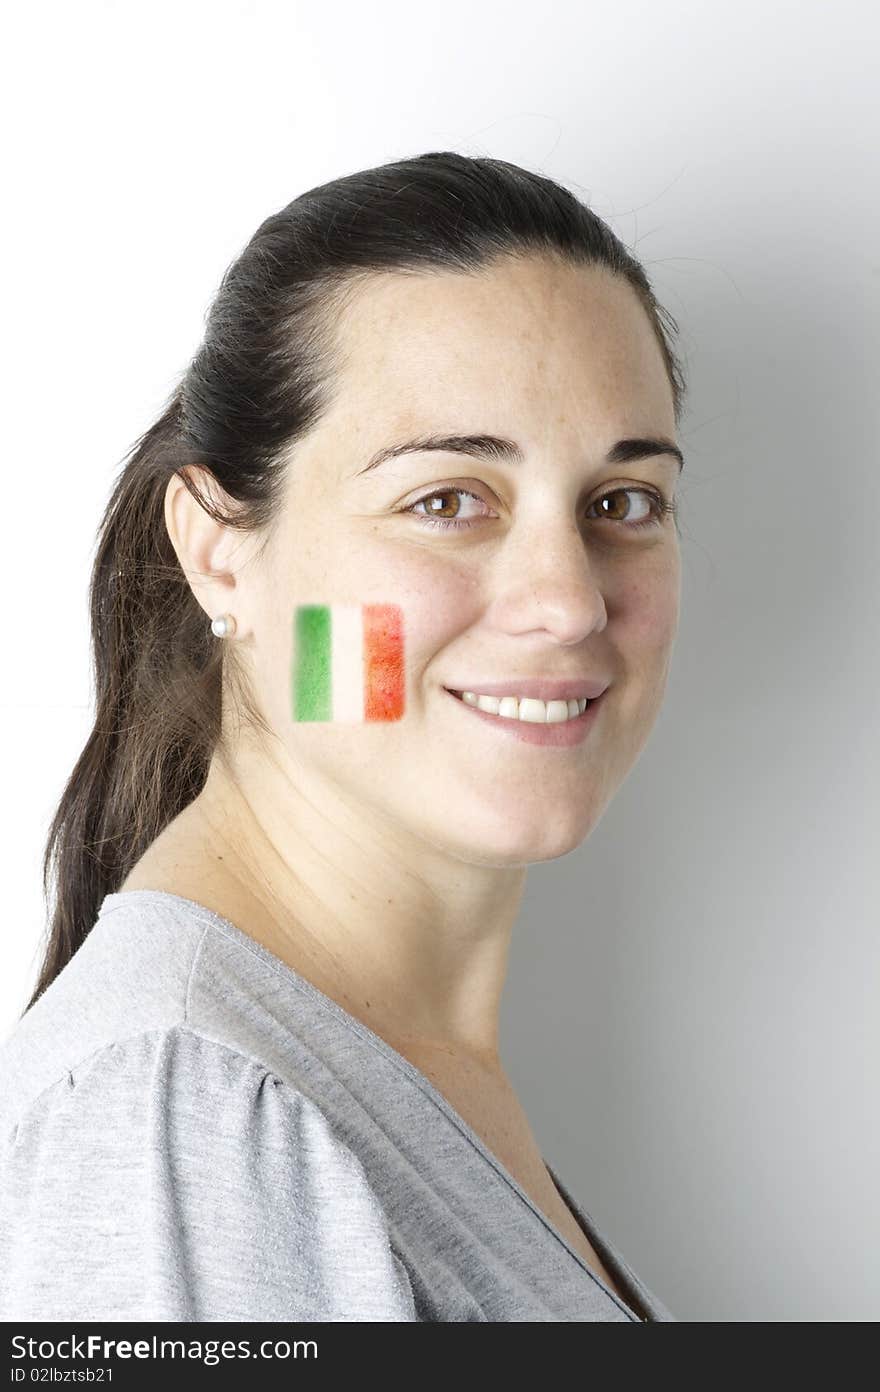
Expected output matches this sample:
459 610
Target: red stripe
383 662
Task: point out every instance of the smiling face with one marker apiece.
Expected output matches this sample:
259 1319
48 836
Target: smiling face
552 577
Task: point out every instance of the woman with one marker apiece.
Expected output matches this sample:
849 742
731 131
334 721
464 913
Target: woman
383 607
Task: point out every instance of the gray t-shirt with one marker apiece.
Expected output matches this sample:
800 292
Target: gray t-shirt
190 1130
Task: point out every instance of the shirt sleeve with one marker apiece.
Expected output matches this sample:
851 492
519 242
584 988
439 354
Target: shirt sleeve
169 1177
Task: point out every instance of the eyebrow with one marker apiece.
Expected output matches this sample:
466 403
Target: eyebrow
496 447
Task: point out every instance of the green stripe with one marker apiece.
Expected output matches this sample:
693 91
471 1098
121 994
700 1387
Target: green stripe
312 686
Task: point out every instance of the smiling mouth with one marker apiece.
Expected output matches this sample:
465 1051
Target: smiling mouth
570 719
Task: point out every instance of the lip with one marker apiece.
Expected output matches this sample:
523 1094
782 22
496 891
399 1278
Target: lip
539 688
560 734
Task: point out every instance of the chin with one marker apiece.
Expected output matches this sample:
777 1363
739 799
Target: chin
511 848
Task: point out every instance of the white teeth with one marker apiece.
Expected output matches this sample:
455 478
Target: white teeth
526 708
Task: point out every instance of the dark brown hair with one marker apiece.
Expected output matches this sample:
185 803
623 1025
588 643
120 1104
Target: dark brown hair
260 380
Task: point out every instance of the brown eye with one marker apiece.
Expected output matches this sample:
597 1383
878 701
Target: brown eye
435 516
434 511
619 511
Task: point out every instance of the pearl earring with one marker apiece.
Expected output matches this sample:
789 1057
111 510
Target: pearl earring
223 627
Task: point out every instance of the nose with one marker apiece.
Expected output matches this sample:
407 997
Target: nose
549 582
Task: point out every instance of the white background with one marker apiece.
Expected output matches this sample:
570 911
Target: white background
692 1013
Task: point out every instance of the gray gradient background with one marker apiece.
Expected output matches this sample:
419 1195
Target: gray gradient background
691 1013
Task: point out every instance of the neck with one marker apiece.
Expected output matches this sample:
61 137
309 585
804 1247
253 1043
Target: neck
411 941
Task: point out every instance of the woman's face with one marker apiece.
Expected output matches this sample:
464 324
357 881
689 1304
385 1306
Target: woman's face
544 582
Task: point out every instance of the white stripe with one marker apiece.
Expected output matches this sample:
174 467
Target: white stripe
347 653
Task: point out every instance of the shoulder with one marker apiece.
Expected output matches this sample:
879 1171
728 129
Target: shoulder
151 965
161 1088
169 1176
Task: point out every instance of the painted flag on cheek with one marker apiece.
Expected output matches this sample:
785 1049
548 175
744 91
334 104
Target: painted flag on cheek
348 662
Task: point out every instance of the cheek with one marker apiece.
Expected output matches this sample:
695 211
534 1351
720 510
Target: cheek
647 613
362 659
644 625
649 625
642 631
438 604
438 596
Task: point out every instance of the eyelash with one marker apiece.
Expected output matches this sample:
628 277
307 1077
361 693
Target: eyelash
660 510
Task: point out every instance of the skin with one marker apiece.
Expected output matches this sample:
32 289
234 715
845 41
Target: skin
387 861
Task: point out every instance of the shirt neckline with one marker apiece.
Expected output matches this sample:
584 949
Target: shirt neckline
301 983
